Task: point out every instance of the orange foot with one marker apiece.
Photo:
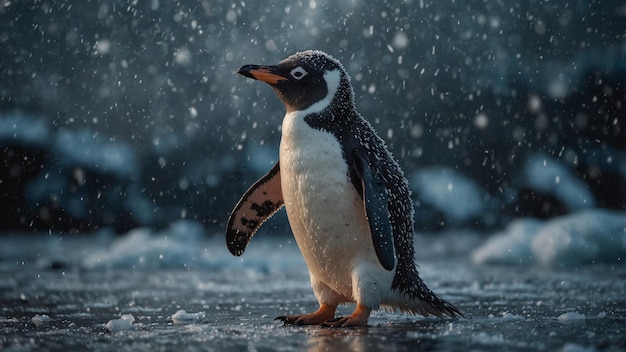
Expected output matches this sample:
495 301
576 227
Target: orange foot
357 318
324 313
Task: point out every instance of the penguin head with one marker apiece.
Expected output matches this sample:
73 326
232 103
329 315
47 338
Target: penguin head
304 79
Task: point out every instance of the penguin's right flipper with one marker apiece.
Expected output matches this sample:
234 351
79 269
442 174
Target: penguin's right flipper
260 201
375 202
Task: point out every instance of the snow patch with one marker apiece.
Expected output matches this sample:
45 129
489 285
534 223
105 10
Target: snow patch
512 246
448 191
140 248
16 127
573 347
511 316
588 236
185 245
582 238
549 176
88 149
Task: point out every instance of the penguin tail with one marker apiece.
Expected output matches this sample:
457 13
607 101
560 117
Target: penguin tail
429 305
413 296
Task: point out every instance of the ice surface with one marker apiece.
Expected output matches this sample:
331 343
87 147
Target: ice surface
200 297
588 236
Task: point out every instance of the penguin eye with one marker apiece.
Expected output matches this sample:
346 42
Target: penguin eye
298 73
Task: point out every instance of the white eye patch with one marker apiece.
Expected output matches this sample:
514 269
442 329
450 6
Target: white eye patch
298 72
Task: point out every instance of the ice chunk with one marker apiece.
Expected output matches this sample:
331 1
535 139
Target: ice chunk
570 317
182 317
41 319
122 324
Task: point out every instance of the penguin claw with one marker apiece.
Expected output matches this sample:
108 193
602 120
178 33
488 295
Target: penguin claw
333 323
287 320
343 322
296 320
357 318
324 317
323 314
306 319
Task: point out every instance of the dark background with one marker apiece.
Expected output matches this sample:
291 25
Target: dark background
129 113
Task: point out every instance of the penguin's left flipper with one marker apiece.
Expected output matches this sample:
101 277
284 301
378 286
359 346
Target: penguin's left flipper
260 202
375 200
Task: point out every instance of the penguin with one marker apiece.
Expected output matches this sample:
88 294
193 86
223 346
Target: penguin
347 200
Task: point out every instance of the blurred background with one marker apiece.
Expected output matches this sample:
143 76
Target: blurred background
122 114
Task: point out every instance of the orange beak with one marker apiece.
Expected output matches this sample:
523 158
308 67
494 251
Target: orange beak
261 73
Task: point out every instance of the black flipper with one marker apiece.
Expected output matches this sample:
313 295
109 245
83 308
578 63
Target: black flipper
376 208
260 201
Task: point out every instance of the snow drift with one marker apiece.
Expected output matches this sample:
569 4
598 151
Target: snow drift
588 236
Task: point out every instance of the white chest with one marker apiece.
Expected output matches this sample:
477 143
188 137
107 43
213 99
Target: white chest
314 173
325 211
309 152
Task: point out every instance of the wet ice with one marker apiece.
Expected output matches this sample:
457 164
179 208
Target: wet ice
229 302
